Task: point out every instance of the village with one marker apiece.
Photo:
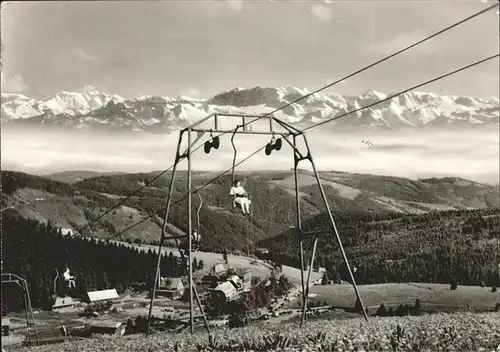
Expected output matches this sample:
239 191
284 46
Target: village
107 313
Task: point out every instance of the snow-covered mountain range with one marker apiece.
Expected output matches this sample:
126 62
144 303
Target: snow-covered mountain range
159 113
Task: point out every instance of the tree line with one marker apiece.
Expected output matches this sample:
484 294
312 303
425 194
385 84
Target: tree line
35 250
434 247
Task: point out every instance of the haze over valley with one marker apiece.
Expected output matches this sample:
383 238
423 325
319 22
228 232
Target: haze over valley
416 135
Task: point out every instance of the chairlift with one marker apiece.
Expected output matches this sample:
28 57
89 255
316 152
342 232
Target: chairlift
195 236
69 280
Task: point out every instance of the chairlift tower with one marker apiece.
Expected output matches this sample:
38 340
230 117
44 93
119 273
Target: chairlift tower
31 335
279 131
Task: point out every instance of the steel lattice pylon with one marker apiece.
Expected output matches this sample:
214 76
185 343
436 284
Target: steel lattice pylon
244 128
31 335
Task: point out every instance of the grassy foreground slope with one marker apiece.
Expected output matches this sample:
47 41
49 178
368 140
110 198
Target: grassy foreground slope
438 332
431 296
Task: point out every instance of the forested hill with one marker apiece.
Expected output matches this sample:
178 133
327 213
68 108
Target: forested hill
432 247
384 244
74 205
35 251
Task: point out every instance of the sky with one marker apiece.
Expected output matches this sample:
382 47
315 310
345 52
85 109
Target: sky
199 48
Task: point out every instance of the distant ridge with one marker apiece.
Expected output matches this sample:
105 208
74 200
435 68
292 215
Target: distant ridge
97 110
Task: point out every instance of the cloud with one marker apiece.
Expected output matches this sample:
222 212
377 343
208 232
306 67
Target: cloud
191 92
322 12
396 154
82 55
89 88
236 5
14 84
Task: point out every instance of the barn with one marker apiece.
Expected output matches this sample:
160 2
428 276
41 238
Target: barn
99 296
171 287
63 303
222 270
66 232
107 328
224 292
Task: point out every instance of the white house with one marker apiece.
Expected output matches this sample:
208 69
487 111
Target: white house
225 292
66 232
103 295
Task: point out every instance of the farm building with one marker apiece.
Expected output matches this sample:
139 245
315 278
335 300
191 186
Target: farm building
210 280
66 232
103 295
63 303
235 281
5 326
221 270
107 328
224 292
246 284
171 287
138 285
262 252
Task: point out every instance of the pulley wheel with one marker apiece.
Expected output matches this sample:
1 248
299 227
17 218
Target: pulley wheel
268 149
216 142
278 144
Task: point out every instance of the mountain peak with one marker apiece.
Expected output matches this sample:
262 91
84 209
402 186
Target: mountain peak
159 113
372 93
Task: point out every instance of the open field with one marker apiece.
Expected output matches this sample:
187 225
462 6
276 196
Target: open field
437 295
455 332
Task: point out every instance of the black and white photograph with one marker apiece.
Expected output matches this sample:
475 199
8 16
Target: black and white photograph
250 175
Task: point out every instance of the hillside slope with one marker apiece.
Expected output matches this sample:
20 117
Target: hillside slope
394 247
74 205
77 175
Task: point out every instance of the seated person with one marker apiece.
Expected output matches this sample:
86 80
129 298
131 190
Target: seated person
240 197
195 237
195 242
69 278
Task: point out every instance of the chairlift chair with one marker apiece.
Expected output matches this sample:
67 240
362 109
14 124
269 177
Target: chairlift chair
195 236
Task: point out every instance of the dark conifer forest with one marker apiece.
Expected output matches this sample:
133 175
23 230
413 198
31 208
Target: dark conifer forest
434 247
34 251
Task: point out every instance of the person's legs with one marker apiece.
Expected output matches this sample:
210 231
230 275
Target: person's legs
247 206
243 205
239 203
